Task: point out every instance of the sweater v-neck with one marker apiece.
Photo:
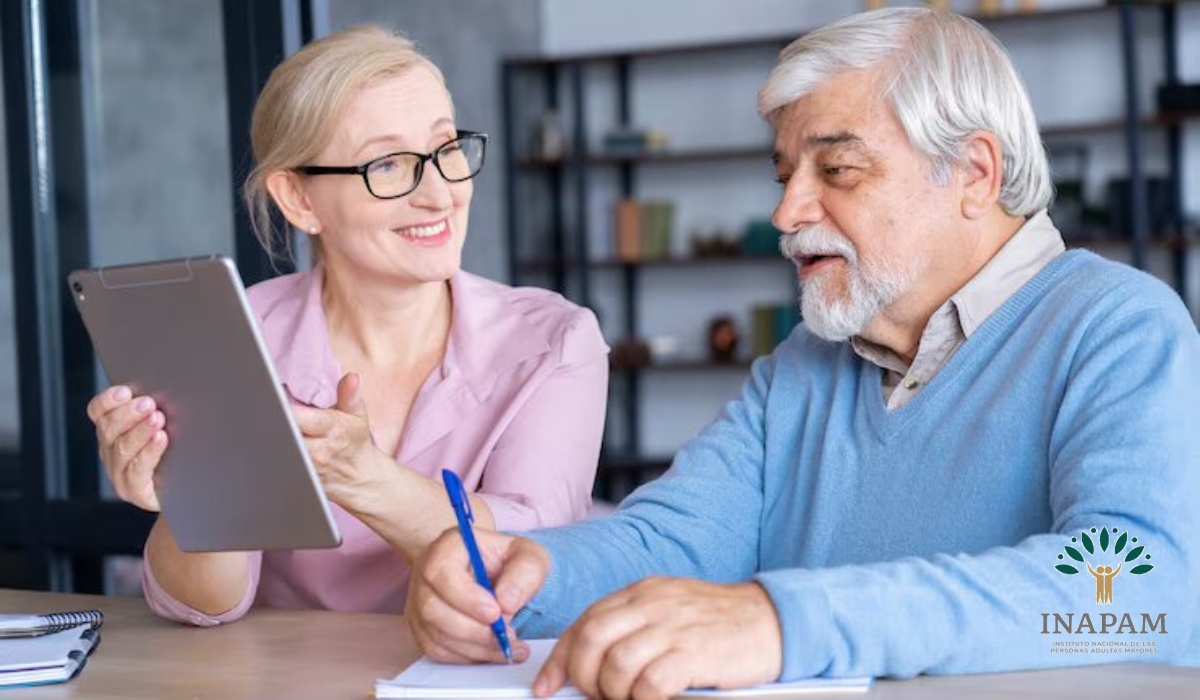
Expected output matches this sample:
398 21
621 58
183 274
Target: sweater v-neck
885 424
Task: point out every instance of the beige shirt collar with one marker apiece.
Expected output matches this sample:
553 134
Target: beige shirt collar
1030 249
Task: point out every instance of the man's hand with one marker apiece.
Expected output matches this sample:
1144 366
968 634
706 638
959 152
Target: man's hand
451 615
661 636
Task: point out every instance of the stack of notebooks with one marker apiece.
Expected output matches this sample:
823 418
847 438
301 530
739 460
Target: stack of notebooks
39 649
429 679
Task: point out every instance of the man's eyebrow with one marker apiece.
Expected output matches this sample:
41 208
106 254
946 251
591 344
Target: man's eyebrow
838 138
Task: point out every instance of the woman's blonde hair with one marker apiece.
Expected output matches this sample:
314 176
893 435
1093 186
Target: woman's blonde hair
296 113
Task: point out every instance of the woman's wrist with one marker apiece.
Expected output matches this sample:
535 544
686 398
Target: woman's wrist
376 493
407 509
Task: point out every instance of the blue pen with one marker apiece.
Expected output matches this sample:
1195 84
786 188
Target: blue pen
462 511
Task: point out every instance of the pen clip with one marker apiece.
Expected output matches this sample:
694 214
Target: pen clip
458 494
466 502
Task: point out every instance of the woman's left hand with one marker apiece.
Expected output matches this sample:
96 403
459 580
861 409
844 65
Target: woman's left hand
340 445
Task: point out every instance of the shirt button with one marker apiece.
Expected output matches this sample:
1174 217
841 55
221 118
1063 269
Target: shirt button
910 382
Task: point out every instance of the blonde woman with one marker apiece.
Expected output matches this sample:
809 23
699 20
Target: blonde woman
397 361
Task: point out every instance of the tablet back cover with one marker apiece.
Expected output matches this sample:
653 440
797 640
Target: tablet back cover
236 475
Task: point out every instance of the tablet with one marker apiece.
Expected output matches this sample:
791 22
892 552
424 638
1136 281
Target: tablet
236 474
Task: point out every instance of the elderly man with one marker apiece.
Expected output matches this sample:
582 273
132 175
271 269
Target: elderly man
968 415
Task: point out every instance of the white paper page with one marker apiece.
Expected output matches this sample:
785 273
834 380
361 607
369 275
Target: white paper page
429 679
49 650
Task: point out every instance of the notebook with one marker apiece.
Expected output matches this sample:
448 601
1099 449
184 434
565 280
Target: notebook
50 658
434 681
34 625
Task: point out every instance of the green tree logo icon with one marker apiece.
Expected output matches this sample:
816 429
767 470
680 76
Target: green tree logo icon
1104 574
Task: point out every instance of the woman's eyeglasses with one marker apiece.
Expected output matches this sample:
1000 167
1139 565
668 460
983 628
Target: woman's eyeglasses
397 174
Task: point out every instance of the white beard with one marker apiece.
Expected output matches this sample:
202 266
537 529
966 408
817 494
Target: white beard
869 290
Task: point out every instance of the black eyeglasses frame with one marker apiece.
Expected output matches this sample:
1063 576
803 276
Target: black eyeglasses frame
361 170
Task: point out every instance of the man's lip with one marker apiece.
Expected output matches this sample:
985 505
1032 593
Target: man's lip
807 265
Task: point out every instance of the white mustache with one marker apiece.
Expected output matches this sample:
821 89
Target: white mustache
817 240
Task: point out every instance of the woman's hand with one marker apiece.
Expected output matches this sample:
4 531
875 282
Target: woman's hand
342 450
130 432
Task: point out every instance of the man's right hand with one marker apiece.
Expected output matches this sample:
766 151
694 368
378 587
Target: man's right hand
451 615
132 440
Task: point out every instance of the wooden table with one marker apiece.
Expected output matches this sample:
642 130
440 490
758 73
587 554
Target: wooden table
311 654
269 654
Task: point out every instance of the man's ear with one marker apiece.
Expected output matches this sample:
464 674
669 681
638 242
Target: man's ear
288 192
981 171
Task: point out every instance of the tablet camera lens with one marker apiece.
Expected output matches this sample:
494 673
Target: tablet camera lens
77 286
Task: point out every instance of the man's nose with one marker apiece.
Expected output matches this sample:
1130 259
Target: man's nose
799 206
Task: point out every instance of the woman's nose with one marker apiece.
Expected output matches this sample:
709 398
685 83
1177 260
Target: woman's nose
432 192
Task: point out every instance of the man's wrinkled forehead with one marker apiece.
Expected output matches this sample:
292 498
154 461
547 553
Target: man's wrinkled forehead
799 132
852 119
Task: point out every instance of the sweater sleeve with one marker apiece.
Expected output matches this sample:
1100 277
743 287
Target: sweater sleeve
541 471
671 526
1123 455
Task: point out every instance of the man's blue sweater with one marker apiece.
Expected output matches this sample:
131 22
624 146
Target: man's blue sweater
926 539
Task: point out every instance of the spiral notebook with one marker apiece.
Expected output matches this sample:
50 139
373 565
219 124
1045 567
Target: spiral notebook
49 658
35 625
434 681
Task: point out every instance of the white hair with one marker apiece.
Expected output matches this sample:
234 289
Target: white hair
838 315
945 78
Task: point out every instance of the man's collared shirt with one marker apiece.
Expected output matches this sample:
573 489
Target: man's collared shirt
1030 249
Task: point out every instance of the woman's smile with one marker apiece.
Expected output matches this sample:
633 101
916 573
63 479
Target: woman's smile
431 234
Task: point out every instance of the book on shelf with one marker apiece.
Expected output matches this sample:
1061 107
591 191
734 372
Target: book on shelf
772 324
657 217
642 229
628 219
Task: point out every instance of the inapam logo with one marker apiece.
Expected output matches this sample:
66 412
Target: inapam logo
1104 573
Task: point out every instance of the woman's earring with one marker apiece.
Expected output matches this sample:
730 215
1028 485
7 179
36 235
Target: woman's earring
312 230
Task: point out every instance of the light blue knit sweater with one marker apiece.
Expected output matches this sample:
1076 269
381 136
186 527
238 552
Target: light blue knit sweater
925 539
